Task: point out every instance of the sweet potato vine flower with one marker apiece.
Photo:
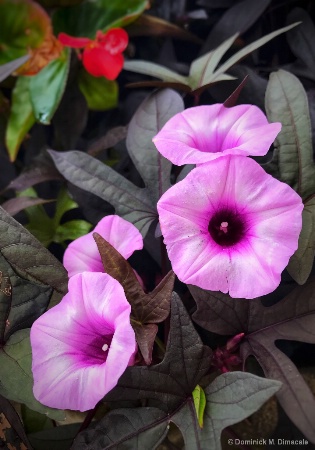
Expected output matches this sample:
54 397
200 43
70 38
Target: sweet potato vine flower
203 133
83 255
230 227
101 57
82 346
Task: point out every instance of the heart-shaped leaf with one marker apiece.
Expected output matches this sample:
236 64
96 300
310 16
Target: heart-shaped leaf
292 318
230 398
146 309
170 383
286 102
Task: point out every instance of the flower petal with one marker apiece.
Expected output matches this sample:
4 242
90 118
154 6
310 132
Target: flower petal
83 255
71 368
100 63
271 215
73 42
203 133
113 41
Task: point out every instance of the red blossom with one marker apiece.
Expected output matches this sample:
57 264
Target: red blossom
101 57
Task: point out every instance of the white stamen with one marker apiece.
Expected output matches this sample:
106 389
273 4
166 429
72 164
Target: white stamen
105 347
224 227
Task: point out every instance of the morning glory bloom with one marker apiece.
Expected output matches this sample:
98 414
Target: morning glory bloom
230 227
82 254
82 346
203 133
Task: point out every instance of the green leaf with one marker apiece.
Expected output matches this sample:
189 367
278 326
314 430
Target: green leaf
21 117
130 202
250 48
23 26
34 421
202 69
8 68
28 258
47 229
100 94
90 16
231 398
149 118
155 70
16 372
47 87
71 230
301 263
286 102
200 402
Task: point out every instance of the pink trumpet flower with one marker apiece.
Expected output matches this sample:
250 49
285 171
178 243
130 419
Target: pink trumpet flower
230 227
203 133
82 346
83 255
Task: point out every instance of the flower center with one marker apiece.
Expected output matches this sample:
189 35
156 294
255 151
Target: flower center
105 347
226 228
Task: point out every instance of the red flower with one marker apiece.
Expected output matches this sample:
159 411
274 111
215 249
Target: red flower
102 57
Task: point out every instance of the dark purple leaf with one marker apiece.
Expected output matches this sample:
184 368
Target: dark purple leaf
302 37
149 118
237 19
170 383
292 318
17 204
147 25
142 428
232 99
12 432
41 169
130 202
111 138
230 398
27 257
146 309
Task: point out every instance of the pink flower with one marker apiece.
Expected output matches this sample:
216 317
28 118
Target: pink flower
83 345
83 255
203 133
230 227
101 57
